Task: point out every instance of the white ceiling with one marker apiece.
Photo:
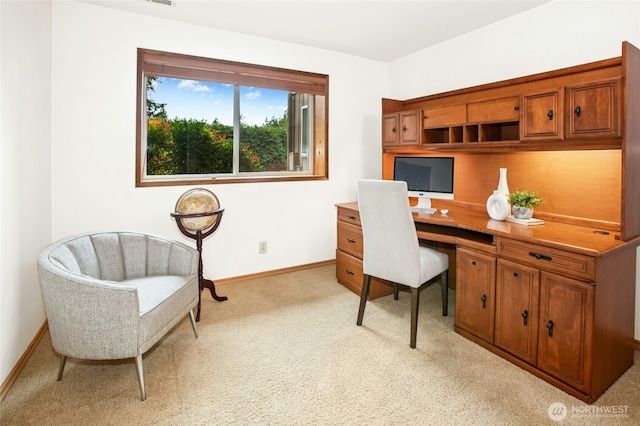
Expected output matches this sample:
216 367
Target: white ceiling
382 30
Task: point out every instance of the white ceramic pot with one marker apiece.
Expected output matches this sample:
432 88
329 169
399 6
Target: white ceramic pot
520 212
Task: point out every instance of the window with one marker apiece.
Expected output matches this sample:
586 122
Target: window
203 120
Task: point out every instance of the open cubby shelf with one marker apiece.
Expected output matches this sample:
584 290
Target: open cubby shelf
485 132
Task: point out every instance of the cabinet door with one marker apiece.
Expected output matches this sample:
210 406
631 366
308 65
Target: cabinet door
542 116
566 330
475 293
390 129
517 291
593 110
495 110
444 116
410 128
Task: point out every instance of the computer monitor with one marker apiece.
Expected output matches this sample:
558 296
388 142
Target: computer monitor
426 177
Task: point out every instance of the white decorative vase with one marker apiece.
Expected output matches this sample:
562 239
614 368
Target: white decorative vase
503 186
498 204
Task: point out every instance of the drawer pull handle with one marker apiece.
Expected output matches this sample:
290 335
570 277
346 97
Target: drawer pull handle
349 240
349 272
550 114
351 217
540 256
515 274
578 111
550 327
525 317
484 301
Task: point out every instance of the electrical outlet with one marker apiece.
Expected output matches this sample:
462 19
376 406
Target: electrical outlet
262 247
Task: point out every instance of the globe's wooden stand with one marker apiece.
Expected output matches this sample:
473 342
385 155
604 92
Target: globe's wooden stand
199 236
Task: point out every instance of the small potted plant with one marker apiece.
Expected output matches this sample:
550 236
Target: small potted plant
523 202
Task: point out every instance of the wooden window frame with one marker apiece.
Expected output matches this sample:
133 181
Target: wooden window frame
166 64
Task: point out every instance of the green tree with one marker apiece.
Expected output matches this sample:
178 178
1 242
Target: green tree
154 109
159 147
268 142
199 149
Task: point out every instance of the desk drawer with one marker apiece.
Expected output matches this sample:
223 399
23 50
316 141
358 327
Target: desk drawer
549 259
349 274
350 239
349 216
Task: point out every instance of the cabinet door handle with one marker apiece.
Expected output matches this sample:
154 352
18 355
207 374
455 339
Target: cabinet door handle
550 114
349 272
515 274
404 128
484 301
550 327
517 108
350 240
577 111
540 256
393 129
525 317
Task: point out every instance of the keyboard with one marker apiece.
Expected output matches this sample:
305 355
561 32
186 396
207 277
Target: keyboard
427 210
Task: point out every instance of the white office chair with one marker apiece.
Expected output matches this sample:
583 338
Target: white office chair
391 248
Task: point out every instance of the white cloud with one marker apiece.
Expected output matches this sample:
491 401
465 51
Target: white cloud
254 94
193 85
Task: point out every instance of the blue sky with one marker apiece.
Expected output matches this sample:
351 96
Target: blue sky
203 100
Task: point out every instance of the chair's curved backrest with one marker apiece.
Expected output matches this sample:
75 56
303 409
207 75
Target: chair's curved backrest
391 248
119 256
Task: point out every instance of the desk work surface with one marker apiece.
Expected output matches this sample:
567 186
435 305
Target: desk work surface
477 227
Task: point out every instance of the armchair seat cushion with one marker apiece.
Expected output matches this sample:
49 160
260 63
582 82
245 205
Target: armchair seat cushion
152 291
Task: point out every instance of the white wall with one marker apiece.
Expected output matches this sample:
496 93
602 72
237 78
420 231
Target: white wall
25 171
93 141
555 35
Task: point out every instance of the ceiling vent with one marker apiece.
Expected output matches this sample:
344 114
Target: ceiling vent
165 2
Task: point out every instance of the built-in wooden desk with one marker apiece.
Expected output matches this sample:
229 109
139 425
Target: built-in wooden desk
555 299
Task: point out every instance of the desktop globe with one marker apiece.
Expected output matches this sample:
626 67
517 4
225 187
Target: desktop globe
196 201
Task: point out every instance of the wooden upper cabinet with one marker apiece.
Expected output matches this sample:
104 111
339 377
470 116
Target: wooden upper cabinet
401 128
542 116
593 110
390 129
410 128
496 110
444 116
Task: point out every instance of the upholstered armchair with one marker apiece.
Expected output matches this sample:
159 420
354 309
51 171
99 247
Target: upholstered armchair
113 295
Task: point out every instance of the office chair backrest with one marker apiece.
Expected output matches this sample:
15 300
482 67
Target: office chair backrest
391 249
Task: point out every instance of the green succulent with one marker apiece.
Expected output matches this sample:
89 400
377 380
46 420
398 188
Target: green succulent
527 199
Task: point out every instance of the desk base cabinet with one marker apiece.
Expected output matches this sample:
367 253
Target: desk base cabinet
475 292
566 328
349 254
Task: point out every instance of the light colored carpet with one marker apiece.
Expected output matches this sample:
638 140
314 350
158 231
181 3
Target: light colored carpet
285 350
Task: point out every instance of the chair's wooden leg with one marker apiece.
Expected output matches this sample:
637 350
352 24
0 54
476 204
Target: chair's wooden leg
366 283
415 301
193 323
63 361
395 291
140 371
444 283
